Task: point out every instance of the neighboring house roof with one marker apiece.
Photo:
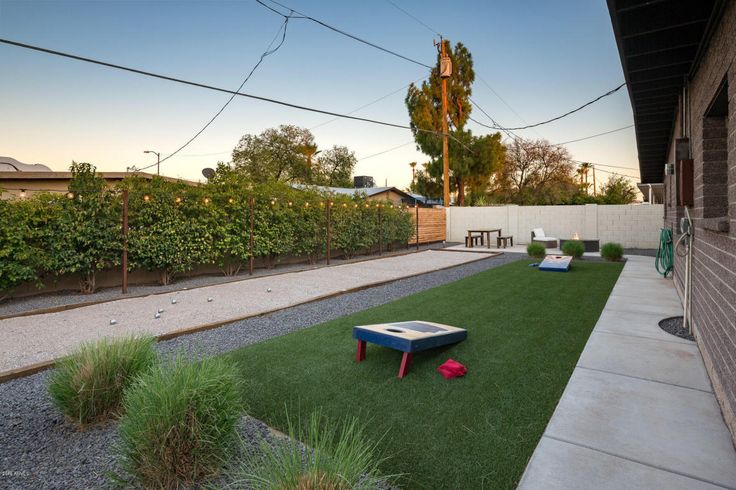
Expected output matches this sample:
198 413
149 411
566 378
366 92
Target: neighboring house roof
660 44
8 164
50 175
353 191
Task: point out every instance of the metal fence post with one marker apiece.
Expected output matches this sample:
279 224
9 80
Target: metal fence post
251 206
380 230
125 241
416 208
328 210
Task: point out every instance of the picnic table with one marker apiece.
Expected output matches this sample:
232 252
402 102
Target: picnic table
485 231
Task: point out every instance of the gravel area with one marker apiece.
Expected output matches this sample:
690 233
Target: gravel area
26 340
674 326
15 306
39 450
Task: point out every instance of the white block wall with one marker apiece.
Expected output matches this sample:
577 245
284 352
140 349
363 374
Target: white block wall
631 225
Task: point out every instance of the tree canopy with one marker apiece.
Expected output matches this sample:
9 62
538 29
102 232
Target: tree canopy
473 159
289 154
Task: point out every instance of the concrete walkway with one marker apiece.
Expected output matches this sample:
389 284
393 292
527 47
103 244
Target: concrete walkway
34 340
638 411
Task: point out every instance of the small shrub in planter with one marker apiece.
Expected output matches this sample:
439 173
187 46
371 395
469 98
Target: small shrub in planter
574 248
333 457
88 385
179 423
612 251
536 250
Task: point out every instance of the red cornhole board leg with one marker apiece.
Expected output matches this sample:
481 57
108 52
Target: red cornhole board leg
360 355
405 364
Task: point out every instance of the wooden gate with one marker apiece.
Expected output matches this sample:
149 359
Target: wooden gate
431 225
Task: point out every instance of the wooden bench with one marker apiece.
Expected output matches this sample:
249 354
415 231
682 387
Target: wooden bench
471 241
506 240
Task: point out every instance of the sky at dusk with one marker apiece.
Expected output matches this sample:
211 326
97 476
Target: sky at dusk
543 58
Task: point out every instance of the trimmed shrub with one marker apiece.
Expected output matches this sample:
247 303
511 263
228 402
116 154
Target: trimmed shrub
574 248
331 457
179 423
88 385
536 250
612 251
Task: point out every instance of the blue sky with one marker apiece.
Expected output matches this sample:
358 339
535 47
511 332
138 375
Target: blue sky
542 57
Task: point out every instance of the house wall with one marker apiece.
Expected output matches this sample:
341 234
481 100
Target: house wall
714 252
633 226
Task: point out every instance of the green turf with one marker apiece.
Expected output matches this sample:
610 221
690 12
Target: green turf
526 329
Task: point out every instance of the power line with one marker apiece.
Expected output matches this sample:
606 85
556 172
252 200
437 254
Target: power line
284 26
368 104
604 165
217 89
340 31
416 19
595 135
610 92
386 151
504 102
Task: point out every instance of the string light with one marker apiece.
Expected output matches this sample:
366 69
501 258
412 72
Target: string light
145 198
206 200
344 205
306 204
355 205
273 202
289 203
231 200
22 193
321 204
70 195
178 200
367 205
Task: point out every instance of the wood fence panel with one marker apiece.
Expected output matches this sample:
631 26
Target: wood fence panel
432 222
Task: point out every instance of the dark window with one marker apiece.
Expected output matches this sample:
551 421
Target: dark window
715 156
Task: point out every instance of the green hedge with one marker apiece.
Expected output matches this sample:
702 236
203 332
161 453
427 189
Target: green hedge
174 227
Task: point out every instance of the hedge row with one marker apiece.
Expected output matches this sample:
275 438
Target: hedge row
174 227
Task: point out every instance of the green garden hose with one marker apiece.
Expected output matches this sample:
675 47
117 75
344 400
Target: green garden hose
665 255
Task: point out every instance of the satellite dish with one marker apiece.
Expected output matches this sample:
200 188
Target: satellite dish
208 172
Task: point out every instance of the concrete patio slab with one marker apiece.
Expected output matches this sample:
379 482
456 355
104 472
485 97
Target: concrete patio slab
635 324
638 411
657 360
559 465
673 428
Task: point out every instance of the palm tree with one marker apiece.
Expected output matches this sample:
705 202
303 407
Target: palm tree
413 174
583 171
309 150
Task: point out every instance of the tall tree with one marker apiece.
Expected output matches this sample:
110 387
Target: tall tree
424 104
618 190
275 154
535 172
334 167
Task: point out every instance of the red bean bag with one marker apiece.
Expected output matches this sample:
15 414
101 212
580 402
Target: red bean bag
452 369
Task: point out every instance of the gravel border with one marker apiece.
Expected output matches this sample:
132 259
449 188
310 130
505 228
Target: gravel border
674 326
39 450
40 301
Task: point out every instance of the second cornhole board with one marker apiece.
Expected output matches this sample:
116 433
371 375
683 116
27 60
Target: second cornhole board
407 337
556 263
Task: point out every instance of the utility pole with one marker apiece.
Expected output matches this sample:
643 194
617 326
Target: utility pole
595 191
445 73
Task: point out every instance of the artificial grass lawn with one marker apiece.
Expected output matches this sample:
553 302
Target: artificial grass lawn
526 329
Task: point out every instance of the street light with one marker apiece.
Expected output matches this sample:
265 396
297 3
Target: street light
158 160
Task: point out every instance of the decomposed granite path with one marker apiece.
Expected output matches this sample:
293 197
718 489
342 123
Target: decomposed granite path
26 341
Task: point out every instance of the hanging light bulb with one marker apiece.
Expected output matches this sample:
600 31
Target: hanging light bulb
70 195
146 198
231 200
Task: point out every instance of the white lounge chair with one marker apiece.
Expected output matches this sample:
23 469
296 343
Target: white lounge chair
539 236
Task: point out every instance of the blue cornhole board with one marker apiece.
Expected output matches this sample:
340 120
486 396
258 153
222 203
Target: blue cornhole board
556 263
406 337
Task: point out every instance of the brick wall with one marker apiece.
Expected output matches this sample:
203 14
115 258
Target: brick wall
714 252
633 226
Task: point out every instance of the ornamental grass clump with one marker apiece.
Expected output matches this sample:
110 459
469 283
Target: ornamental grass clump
329 457
536 250
612 251
574 248
88 385
179 424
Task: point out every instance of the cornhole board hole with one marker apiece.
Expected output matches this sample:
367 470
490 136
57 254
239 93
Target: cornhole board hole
407 337
556 263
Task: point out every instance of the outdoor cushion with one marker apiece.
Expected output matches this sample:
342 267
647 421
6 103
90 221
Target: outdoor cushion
538 232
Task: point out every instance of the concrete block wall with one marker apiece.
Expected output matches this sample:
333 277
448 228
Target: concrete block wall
633 226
